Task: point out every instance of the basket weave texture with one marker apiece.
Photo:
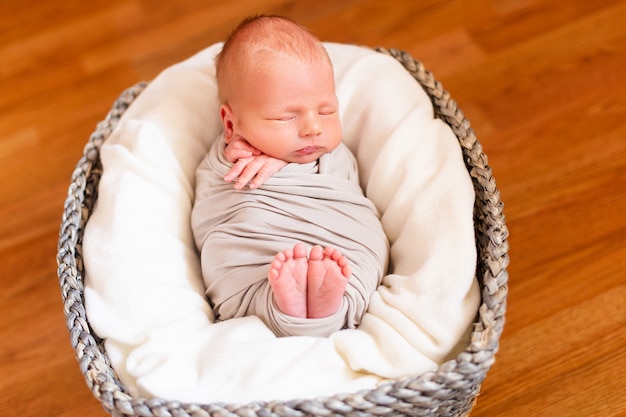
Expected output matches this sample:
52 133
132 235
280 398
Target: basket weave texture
450 390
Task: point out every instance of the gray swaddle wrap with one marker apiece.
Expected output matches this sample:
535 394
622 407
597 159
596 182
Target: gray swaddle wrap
238 233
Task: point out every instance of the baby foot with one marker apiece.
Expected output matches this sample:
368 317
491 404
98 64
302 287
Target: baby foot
327 277
287 277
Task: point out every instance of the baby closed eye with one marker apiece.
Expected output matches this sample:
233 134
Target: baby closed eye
327 112
291 117
285 118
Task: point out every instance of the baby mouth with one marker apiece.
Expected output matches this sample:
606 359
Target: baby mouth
307 150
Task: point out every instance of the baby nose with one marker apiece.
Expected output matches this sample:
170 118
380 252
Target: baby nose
311 126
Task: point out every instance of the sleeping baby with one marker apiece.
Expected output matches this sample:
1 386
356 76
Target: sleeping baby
283 228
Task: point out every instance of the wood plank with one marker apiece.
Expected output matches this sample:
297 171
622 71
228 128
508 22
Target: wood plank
551 363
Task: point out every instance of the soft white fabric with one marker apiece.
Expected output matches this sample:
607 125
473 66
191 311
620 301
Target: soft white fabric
144 291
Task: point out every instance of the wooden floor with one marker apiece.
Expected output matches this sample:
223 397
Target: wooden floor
542 81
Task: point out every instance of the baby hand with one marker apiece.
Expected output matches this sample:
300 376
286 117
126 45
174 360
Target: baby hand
254 170
251 165
239 148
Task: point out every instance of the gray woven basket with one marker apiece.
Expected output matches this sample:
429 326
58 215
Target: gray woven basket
450 390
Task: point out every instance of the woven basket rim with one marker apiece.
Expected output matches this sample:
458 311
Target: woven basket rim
449 390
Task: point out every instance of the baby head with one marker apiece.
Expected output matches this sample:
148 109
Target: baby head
277 90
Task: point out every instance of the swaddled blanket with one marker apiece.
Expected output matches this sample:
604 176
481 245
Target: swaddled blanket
238 233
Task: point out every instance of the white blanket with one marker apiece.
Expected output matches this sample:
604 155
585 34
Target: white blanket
144 292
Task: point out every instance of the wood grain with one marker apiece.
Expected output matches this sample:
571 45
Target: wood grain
543 83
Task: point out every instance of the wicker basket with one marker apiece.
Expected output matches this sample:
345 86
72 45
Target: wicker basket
450 390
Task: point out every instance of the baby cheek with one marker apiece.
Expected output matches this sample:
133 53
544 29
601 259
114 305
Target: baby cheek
335 131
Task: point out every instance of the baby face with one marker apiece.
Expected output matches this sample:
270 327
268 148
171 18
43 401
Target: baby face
287 109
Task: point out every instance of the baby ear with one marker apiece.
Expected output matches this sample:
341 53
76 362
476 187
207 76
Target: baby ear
226 114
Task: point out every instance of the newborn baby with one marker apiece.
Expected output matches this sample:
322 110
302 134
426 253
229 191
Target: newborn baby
301 247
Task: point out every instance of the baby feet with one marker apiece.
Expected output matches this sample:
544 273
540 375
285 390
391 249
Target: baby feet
287 276
310 287
327 277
